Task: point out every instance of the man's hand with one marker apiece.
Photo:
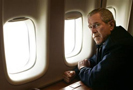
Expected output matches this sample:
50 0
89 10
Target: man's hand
69 76
83 63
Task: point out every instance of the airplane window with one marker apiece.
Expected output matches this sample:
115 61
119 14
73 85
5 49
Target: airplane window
72 33
19 43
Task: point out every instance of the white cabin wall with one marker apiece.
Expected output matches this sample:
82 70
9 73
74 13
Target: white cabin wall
3 81
54 18
2 75
130 28
36 11
123 10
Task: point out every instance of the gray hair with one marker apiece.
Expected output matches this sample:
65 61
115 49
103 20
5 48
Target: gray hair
106 15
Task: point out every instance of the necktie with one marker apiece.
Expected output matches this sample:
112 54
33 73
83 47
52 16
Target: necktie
98 53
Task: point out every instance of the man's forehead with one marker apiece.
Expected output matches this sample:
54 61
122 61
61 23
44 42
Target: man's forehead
95 18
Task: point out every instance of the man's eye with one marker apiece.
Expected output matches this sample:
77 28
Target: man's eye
89 26
96 25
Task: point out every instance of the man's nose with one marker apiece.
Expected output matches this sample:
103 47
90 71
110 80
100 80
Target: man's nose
93 30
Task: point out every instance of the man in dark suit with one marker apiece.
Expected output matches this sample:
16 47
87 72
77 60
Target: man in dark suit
111 67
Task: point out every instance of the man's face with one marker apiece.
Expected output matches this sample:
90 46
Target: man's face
100 30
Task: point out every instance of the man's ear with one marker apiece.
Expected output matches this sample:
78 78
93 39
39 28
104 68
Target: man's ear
112 25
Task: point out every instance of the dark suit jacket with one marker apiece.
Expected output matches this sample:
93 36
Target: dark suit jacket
114 70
